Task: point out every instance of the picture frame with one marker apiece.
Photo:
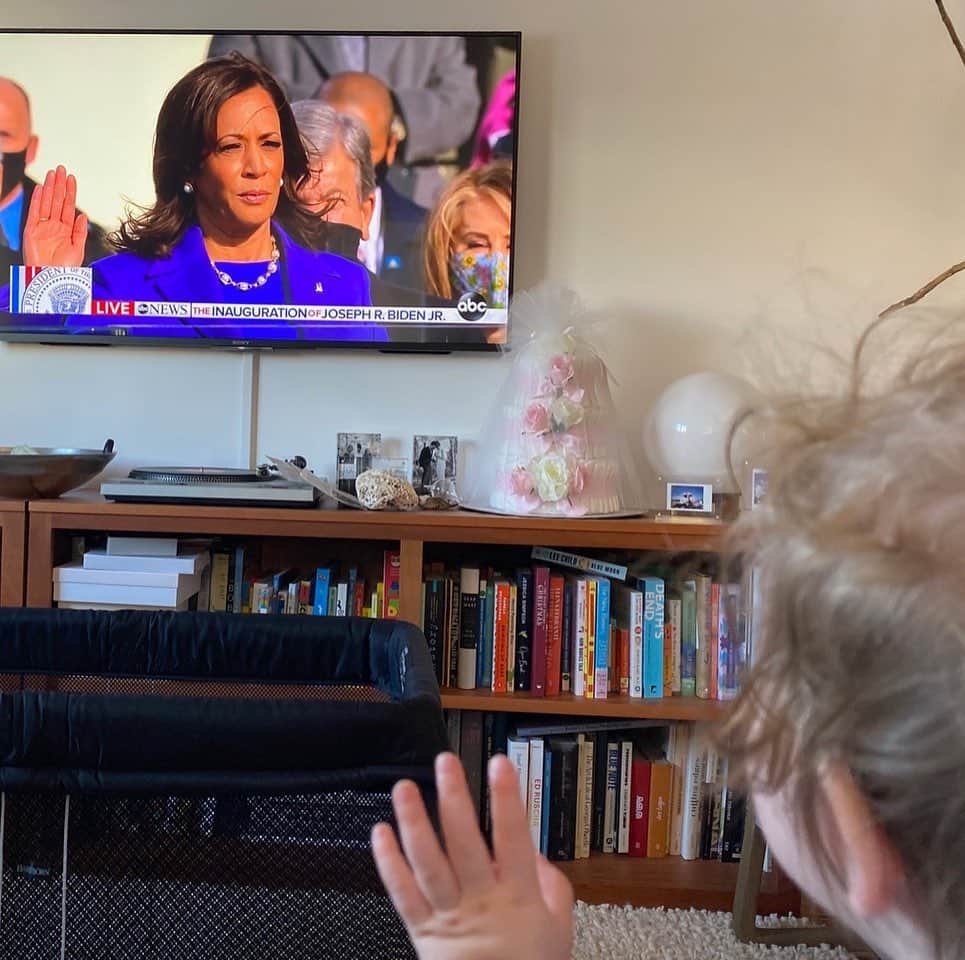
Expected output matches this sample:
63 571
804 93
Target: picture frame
355 453
690 497
758 487
435 464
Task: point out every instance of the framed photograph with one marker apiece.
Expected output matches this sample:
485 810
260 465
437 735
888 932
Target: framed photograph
356 454
758 486
434 465
690 497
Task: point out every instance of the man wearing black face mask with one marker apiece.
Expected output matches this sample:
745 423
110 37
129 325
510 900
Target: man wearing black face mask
393 250
18 149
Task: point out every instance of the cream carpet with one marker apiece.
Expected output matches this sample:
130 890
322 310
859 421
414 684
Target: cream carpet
626 933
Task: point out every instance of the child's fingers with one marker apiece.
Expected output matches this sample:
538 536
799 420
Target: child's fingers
397 877
429 863
468 855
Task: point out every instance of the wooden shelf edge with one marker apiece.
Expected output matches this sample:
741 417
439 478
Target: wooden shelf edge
457 526
565 704
618 879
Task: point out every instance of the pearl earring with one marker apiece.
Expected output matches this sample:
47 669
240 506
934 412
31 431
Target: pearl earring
188 188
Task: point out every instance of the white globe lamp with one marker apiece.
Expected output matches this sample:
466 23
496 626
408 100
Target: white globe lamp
687 434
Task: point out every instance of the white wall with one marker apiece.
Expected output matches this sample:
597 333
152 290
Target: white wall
77 137
708 174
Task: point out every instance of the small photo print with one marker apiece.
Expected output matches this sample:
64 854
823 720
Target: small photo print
690 497
434 465
758 486
356 454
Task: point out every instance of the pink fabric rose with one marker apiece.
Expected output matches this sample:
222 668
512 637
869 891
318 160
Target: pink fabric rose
574 507
536 419
575 394
573 444
520 482
561 369
577 479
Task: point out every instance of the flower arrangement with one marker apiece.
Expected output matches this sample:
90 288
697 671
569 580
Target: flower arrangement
555 475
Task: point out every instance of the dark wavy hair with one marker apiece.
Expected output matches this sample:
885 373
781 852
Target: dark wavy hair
185 134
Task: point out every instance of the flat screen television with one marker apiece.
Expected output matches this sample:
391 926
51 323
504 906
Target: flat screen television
272 190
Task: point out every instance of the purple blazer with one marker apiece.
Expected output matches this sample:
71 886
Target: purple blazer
307 278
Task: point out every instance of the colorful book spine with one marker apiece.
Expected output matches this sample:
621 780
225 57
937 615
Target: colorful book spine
610 811
590 655
541 595
639 804
238 574
579 637
481 620
688 639
323 577
672 623
534 798
524 627
220 575
635 627
544 825
705 629
566 653
579 562
658 827
488 635
622 635
715 589
517 749
391 578
601 661
731 654
500 637
653 603
511 640
434 621
468 628
554 637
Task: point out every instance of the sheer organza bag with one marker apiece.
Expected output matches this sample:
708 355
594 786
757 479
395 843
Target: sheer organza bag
552 443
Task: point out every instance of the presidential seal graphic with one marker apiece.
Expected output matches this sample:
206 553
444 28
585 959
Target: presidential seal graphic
56 290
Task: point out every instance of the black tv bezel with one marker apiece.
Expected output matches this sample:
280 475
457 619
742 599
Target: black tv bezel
293 346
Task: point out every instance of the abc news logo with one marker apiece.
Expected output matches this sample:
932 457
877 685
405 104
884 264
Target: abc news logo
472 306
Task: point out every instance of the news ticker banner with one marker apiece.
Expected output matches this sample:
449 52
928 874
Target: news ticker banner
69 290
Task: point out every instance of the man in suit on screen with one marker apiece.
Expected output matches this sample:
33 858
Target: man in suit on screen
18 149
394 246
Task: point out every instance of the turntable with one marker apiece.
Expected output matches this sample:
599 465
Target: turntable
209 486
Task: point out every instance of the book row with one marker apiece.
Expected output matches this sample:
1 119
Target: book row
539 630
638 788
139 572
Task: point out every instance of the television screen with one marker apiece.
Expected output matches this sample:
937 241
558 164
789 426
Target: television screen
258 190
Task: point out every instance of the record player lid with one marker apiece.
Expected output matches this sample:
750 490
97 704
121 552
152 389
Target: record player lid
194 475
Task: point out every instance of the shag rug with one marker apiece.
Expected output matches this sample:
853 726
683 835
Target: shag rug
628 933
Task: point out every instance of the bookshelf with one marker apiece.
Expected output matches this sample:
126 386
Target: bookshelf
419 536
13 544
566 704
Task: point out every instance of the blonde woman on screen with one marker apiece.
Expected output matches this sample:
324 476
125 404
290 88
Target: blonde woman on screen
468 235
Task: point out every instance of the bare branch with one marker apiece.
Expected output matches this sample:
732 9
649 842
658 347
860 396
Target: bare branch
950 27
924 291
951 271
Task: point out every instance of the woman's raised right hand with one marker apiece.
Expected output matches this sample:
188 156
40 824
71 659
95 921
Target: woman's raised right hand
55 233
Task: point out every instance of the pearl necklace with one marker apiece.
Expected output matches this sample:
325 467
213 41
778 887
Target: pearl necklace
259 281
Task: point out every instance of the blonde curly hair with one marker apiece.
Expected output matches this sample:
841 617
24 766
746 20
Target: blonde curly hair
860 544
494 181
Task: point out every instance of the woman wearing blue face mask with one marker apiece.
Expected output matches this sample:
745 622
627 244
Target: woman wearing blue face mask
468 235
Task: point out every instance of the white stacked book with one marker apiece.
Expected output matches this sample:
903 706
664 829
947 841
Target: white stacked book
135 573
